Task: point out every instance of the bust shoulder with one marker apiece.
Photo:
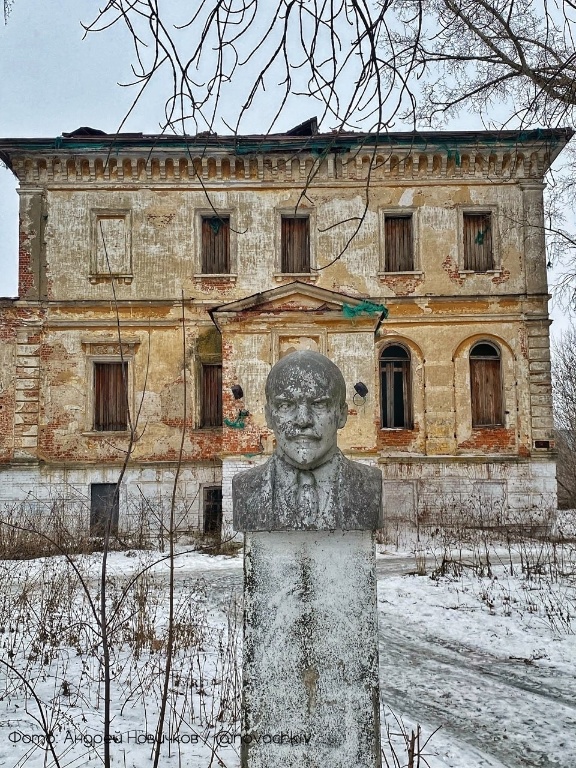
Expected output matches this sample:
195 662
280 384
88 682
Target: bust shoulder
361 495
252 494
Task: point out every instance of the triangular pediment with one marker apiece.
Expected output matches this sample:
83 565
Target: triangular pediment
291 297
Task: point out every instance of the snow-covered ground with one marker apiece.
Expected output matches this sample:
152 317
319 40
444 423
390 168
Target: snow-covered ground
487 659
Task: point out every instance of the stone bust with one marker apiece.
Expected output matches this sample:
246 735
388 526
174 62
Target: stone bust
307 484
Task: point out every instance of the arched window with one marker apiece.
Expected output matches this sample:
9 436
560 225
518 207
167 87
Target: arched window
485 385
395 394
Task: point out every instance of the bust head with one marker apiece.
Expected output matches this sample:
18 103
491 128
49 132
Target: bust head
305 407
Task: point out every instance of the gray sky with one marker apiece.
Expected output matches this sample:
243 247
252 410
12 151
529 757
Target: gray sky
53 81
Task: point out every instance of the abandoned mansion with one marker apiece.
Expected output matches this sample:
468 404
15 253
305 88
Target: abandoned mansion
160 278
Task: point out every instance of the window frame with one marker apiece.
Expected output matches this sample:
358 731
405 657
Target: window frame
111 355
399 213
407 399
218 529
125 383
96 275
500 416
97 526
292 213
203 364
200 215
483 210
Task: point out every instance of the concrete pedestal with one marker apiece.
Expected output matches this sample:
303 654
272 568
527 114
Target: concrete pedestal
311 693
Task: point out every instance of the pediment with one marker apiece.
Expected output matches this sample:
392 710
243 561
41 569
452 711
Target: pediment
292 297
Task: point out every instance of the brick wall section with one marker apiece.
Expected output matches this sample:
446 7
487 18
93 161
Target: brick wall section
397 439
540 381
490 440
27 394
26 284
8 324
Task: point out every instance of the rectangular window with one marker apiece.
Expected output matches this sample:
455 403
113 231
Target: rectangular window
215 245
478 245
211 396
212 508
398 244
104 508
111 244
295 244
110 397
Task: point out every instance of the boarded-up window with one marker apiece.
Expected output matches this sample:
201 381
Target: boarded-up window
398 244
211 396
104 508
111 246
215 245
110 396
478 245
212 510
396 408
295 244
485 385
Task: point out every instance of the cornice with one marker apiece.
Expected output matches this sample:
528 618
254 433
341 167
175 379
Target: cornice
248 160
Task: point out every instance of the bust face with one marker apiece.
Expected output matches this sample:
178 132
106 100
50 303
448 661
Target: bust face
305 408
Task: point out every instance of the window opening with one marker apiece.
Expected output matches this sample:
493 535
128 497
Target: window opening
295 246
104 507
396 405
485 385
110 396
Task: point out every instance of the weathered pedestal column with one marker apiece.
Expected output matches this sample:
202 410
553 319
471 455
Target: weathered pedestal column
310 677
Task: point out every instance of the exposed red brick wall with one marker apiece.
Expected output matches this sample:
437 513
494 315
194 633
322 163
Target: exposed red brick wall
402 285
10 318
490 440
502 277
451 267
398 439
25 274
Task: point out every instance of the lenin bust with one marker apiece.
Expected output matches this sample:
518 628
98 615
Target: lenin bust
307 484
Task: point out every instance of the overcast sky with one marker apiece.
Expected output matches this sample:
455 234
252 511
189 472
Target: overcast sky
51 80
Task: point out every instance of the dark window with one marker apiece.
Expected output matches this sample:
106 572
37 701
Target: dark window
211 396
478 250
213 510
398 244
103 508
485 385
110 397
215 245
396 408
295 244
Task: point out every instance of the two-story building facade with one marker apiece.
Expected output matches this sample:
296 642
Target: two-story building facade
161 277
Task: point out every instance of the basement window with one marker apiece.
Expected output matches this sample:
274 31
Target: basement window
104 508
395 388
485 385
295 244
110 396
215 245
398 244
478 242
211 395
212 510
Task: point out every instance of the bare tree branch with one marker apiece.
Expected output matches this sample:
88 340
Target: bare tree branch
227 59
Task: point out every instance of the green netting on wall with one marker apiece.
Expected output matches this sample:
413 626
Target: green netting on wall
364 308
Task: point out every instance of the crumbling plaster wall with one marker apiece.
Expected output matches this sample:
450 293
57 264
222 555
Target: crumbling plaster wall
164 242
165 262
153 347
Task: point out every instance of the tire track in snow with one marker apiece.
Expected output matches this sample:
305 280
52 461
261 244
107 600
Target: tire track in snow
478 700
